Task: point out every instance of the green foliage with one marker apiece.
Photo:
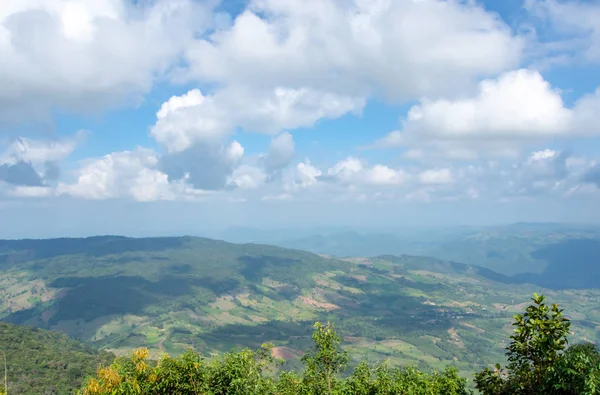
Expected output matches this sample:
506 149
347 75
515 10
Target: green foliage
404 380
537 361
577 371
40 361
540 335
250 372
325 360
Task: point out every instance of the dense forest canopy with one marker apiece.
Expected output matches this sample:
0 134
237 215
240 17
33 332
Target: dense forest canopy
48 362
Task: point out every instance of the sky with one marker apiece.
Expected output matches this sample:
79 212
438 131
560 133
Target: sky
163 117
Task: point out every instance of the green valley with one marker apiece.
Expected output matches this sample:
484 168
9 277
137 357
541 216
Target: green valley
170 294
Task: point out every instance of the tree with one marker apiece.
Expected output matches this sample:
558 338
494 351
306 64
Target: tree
325 360
537 360
577 371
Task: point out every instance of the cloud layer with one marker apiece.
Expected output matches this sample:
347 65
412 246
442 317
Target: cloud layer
516 108
477 118
86 55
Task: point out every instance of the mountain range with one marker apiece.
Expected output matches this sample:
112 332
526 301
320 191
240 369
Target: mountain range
117 293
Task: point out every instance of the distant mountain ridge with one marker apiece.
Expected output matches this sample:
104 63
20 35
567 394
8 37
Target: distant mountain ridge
515 249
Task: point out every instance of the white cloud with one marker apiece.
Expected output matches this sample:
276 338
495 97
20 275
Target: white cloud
281 152
383 175
82 55
354 171
129 174
30 163
137 175
542 155
187 119
346 170
436 176
281 66
284 65
517 103
193 117
357 47
303 175
40 151
30 191
577 22
195 128
544 172
205 166
247 177
517 108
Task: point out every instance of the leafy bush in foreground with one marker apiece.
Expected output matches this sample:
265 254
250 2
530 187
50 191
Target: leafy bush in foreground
252 373
538 363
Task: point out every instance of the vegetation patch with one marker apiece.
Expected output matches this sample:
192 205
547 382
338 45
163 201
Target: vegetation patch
320 305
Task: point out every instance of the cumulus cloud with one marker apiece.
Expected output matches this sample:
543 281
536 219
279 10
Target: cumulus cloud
130 174
204 166
193 117
518 107
302 176
357 47
355 171
285 65
247 177
281 152
41 151
82 55
577 22
436 176
195 128
30 162
544 172
20 173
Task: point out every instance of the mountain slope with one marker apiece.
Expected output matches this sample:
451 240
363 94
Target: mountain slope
44 362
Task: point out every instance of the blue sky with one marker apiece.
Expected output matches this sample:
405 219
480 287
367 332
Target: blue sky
171 117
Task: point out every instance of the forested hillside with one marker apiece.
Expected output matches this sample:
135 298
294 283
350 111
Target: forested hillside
46 362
